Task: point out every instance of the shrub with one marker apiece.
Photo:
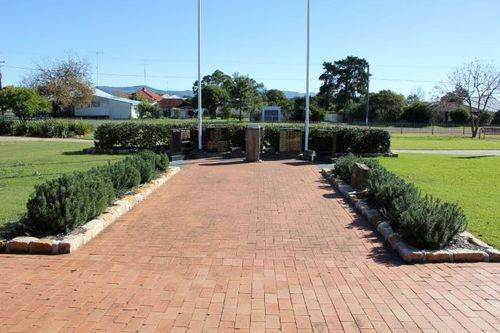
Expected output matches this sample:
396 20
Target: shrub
494 121
485 118
147 110
431 224
5 127
160 161
417 112
155 136
49 128
61 205
423 222
391 193
460 116
145 167
124 176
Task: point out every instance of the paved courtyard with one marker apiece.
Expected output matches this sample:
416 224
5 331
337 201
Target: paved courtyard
231 246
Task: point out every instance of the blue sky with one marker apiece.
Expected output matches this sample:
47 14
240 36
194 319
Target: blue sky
417 41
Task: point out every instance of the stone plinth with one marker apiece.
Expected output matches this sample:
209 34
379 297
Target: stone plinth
252 142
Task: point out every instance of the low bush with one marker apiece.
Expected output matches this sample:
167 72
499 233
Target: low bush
430 223
155 136
49 128
63 204
422 221
391 193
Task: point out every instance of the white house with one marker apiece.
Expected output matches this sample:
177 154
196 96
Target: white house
270 114
107 106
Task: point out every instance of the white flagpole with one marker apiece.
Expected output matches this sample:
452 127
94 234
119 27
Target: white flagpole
307 74
200 108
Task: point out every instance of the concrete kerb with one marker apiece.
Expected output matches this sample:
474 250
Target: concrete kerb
91 229
406 252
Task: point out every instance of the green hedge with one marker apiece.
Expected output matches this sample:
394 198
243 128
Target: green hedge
155 136
63 204
49 128
423 221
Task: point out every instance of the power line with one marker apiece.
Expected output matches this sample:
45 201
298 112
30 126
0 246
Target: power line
145 76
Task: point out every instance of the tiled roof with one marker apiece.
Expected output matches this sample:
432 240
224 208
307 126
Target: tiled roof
168 103
149 95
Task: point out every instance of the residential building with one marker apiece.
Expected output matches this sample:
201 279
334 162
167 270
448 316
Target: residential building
271 114
107 106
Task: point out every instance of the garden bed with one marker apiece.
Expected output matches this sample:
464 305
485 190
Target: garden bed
466 248
63 244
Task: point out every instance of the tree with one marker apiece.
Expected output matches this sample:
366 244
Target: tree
148 110
66 83
344 81
299 106
277 97
417 95
417 112
213 97
217 78
245 94
477 81
25 103
388 105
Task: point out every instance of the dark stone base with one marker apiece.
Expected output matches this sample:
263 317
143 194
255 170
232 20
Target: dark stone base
309 155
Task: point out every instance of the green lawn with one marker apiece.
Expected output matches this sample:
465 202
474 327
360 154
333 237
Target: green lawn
406 141
473 182
25 164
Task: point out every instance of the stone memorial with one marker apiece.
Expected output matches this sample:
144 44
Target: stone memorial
252 143
359 176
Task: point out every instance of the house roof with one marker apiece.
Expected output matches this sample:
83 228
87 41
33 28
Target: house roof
102 94
171 102
149 95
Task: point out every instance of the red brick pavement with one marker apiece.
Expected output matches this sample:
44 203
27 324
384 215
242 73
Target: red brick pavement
229 246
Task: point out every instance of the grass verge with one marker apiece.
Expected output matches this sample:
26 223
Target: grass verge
473 182
26 164
431 142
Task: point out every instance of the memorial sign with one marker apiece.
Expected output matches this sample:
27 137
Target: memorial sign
290 141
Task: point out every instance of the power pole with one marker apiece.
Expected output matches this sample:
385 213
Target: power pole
308 57
367 94
200 107
1 63
97 54
144 64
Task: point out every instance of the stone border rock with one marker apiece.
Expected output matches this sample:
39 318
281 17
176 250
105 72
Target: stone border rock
85 233
406 252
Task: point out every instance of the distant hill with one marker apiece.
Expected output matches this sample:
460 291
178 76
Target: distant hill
293 94
181 93
133 89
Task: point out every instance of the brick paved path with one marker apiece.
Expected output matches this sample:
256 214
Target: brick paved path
228 246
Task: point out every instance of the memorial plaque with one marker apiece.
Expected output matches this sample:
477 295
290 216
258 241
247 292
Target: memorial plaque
290 141
218 140
179 140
